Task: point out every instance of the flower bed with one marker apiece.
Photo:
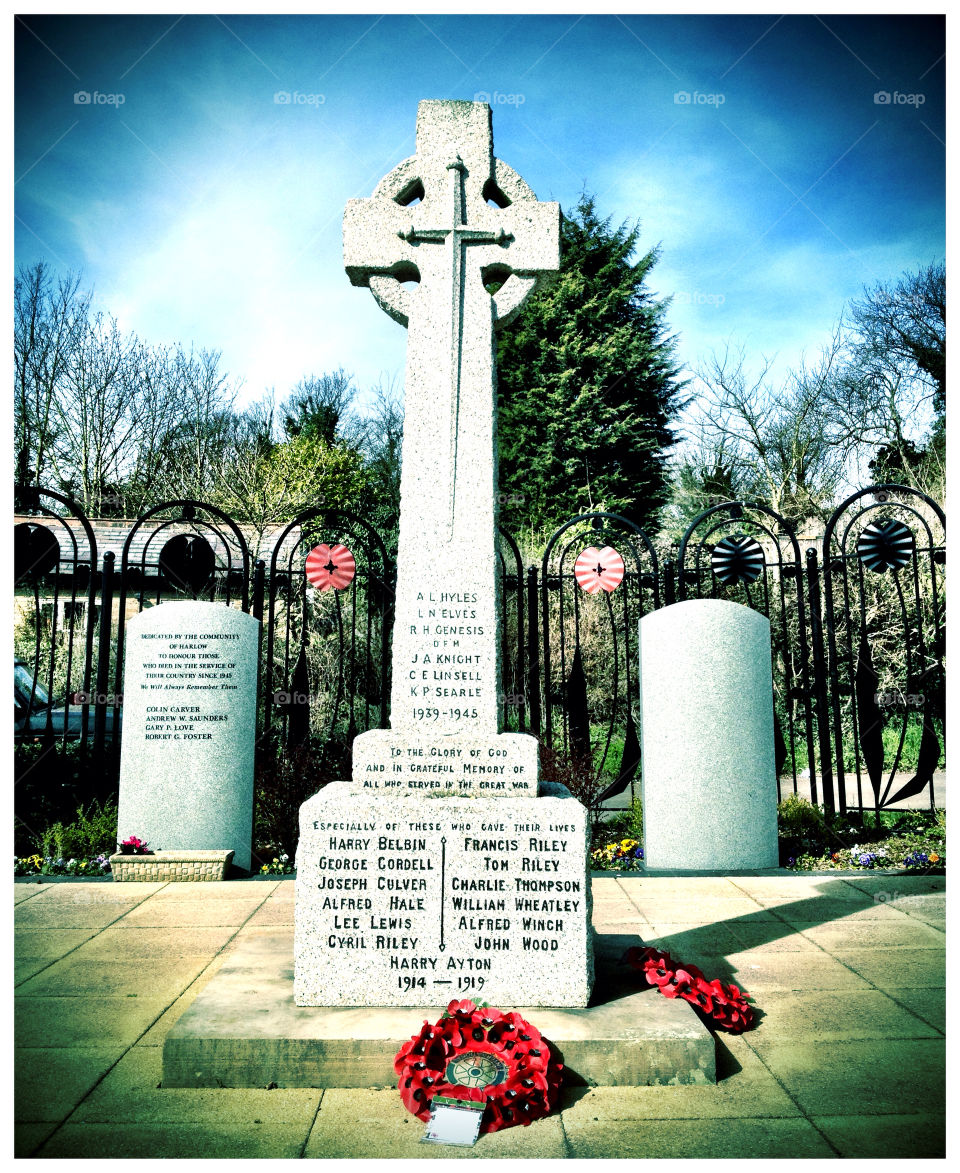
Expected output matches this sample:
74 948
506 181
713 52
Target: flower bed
37 865
810 840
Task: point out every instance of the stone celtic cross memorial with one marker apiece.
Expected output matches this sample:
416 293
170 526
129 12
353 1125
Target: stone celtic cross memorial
444 868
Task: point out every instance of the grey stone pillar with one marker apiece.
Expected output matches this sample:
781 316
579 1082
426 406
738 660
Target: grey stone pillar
709 778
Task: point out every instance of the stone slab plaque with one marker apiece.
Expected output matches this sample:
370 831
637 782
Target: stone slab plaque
405 901
491 764
706 705
189 726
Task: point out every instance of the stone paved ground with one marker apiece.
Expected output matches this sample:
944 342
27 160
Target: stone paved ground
848 1059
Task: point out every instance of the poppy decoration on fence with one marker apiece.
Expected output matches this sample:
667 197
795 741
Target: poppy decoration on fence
330 566
599 570
477 1053
737 559
885 545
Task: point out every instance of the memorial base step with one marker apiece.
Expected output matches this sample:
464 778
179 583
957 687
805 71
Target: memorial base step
244 1030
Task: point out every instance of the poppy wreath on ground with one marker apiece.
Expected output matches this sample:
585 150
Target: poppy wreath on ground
725 1005
475 1052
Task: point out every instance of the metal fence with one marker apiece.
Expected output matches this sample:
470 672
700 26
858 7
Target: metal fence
856 620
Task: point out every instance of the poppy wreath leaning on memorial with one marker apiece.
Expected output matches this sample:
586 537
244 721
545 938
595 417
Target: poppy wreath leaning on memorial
475 1052
726 1005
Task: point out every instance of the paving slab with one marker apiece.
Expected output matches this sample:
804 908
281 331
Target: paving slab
273 912
215 890
898 883
701 910
678 1139
374 1124
839 936
98 892
75 978
906 1138
28 968
133 941
23 892
880 1077
173 1139
244 1029
157 1033
929 1004
667 887
133 1093
821 910
794 886
685 942
897 967
70 914
744 1087
192 913
767 937
826 1015
27 1137
49 944
84 1022
49 1082
800 971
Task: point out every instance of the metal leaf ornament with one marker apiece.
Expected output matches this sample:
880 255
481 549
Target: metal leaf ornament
870 718
885 545
737 558
187 562
629 763
928 758
578 714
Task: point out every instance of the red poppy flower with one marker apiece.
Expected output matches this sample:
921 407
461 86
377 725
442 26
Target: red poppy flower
330 566
598 570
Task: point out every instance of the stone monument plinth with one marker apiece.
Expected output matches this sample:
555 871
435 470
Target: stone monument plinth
707 742
189 726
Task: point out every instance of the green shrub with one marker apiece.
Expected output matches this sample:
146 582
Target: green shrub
798 818
93 831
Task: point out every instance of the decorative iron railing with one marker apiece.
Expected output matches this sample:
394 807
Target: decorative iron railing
857 630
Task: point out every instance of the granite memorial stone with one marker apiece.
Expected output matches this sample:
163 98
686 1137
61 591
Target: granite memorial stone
443 868
189 725
707 741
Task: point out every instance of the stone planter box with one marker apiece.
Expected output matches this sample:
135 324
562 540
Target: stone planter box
171 865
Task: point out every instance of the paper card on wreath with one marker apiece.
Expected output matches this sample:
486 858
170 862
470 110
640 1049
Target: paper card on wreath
453 1121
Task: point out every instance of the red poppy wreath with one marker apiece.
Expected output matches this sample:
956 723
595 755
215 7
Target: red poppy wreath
475 1052
726 1005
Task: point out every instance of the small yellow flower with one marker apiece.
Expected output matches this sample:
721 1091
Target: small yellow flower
933 857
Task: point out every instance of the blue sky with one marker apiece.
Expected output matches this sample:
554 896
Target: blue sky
751 148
